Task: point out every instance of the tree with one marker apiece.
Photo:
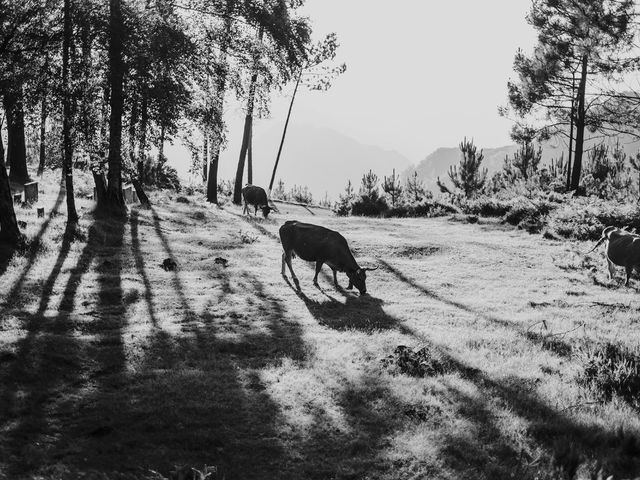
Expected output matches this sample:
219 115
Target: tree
392 187
322 75
343 205
369 184
9 231
114 200
414 188
67 169
468 176
576 41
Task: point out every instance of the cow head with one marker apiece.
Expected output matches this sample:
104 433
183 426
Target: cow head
265 210
358 278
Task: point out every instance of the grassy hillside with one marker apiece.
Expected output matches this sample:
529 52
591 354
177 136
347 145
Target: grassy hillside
109 363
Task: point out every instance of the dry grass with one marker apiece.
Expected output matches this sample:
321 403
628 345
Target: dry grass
109 363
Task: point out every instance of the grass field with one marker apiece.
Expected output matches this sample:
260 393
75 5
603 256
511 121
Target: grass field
109 363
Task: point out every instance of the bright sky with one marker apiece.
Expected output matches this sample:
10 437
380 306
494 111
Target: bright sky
421 74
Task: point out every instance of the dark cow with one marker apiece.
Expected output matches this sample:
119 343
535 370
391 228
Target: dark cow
623 249
256 196
321 245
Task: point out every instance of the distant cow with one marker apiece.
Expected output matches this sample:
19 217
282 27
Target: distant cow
623 249
321 245
256 196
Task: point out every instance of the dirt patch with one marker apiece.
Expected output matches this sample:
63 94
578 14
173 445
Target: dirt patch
412 251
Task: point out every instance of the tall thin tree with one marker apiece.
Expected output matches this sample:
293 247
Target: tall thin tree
67 169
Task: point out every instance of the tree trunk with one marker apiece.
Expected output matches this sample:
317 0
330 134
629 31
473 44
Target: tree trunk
250 156
572 116
246 135
144 120
101 190
9 231
144 200
580 124
2 160
237 189
205 155
16 149
72 215
284 133
43 132
114 204
221 84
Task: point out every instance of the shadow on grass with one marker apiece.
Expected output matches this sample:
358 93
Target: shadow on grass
6 254
559 347
41 388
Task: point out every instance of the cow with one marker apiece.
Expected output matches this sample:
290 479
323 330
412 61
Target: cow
623 249
256 196
321 245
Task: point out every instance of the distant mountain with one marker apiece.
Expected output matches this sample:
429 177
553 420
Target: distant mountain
322 159
437 163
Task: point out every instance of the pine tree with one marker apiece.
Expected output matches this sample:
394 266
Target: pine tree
468 176
392 187
415 190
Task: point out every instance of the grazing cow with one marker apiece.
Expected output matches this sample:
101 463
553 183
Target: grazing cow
256 196
321 245
623 249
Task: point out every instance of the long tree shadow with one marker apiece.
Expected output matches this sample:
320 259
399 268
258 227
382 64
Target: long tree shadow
483 450
553 344
7 254
197 393
41 395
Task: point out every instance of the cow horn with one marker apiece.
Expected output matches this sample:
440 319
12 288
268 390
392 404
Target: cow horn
602 239
371 269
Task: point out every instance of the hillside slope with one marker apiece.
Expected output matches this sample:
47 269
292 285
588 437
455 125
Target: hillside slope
110 363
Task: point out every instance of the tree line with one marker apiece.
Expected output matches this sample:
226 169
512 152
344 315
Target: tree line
109 82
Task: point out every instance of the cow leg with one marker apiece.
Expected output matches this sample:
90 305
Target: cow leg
335 278
286 258
629 270
318 268
612 269
350 286
246 208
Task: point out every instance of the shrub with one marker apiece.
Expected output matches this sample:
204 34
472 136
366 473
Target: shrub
584 218
427 208
612 370
487 207
525 210
369 205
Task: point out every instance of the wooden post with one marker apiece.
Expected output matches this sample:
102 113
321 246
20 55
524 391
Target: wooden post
31 192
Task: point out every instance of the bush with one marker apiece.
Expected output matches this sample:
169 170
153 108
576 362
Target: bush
612 370
584 218
487 207
525 210
427 208
369 205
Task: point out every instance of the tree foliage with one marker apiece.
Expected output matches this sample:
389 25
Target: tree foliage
468 176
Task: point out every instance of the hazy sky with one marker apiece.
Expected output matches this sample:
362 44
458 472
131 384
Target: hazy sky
421 74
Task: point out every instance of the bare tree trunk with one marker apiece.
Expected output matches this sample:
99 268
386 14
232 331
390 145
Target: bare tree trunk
16 149
205 155
284 133
115 205
9 231
216 141
2 159
246 135
250 156
43 132
580 124
144 120
72 215
572 115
